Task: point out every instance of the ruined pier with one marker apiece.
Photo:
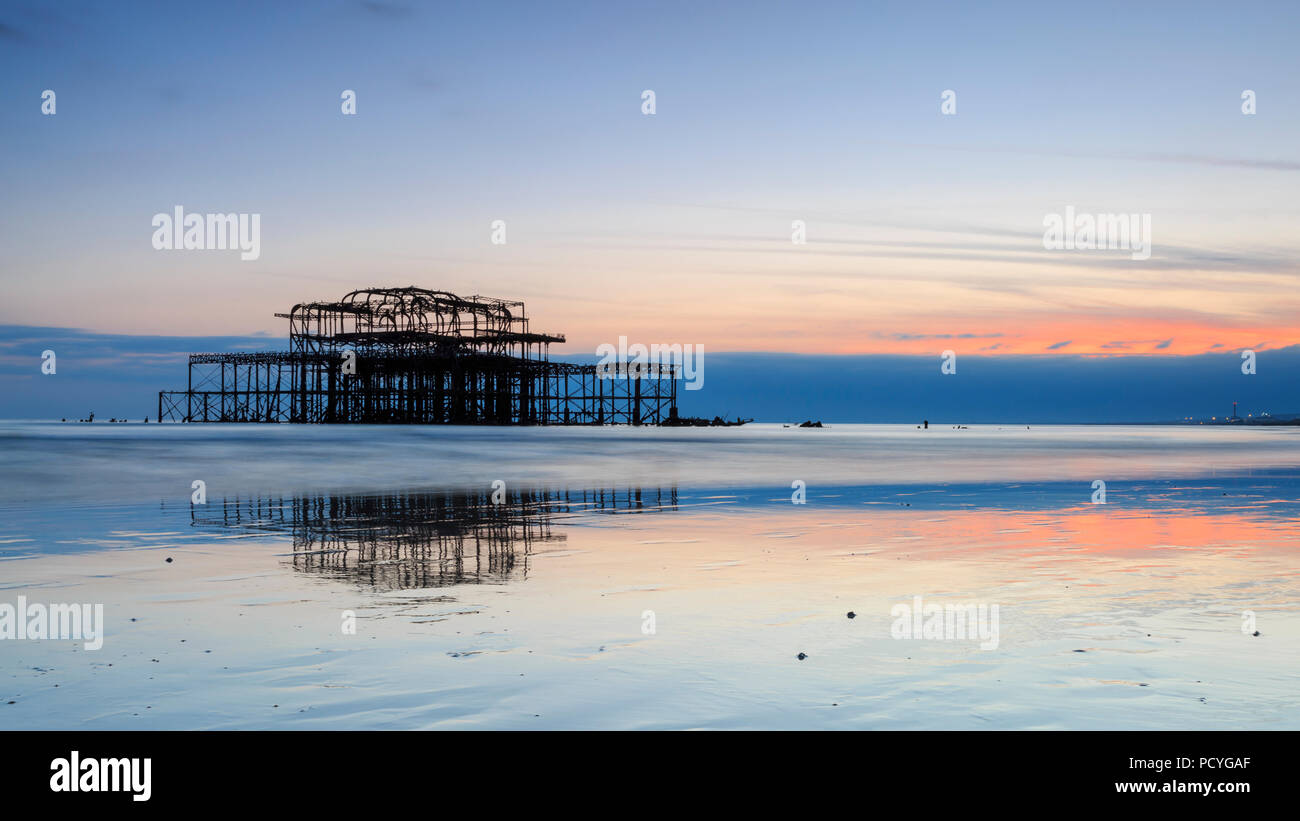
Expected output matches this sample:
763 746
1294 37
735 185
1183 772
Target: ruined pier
414 356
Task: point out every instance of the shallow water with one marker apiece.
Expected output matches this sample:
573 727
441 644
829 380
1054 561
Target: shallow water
535 611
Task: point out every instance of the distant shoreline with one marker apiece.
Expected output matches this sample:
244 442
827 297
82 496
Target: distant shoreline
934 425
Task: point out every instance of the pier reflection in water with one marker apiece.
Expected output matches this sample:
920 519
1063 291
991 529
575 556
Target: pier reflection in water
411 540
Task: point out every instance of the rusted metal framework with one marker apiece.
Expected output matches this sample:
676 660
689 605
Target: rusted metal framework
407 540
410 355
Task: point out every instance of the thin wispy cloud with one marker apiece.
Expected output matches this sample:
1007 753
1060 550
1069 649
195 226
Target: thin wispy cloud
1257 163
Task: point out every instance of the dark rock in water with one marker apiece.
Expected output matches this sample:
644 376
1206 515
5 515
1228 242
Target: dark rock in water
852 615
810 424
1256 633
700 422
802 656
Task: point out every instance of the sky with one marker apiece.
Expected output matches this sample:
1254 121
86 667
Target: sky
924 230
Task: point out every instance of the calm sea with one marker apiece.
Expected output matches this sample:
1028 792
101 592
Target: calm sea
442 577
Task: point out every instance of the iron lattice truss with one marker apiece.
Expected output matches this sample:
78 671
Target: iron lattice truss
405 540
409 355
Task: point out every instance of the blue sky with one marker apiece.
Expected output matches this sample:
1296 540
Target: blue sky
673 227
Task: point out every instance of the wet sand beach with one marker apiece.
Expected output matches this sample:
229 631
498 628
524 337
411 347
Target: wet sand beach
679 597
